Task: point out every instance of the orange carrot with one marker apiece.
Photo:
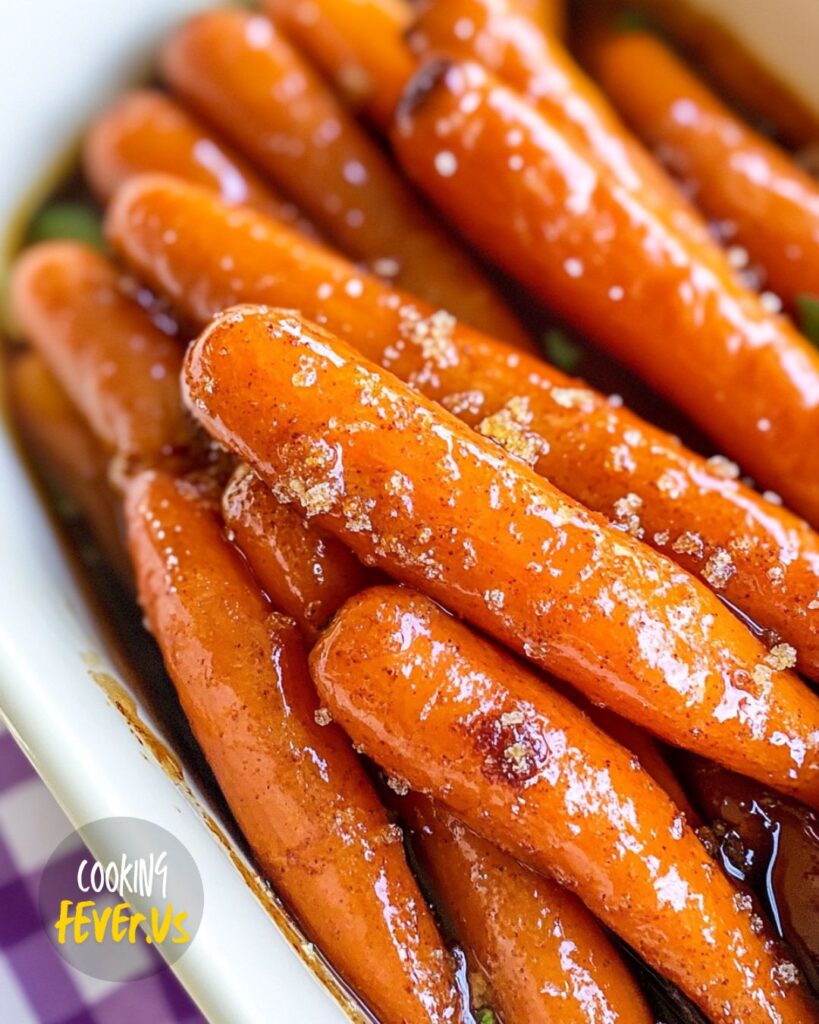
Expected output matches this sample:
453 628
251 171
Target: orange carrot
357 44
751 551
120 370
239 73
549 15
296 788
463 722
307 574
736 174
146 131
532 201
414 491
543 956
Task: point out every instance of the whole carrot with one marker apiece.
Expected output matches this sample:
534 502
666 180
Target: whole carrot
544 958
411 489
737 176
120 370
753 552
244 77
146 131
307 574
531 200
463 722
295 786
359 46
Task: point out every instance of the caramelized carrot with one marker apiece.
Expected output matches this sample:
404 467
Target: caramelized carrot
754 553
532 201
357 44
737 175
296 788
544 958
145 131
244 77
120 370
65 452
307 573
548 15
537 65
411 489
463 722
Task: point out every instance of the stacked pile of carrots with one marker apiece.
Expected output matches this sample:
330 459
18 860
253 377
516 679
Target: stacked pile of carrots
372 521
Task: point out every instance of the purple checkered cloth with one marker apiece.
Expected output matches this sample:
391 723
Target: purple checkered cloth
36 985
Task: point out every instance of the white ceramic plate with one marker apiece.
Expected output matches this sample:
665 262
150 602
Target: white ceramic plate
59 62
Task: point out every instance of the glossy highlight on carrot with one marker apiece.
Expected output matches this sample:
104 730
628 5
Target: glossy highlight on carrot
736 175
119 370
145 131
544 957
296 788
244 77
636 288
413 491
308 574
465 723
750 550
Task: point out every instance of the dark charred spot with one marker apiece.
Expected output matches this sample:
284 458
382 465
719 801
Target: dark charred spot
511 746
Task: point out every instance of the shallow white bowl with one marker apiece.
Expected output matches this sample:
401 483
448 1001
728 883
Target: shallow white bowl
59 62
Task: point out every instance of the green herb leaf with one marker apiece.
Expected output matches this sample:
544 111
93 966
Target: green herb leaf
634 21
77 221
807 306
562 351
486 1016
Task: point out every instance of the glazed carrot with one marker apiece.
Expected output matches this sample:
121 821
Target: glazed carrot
412 490
145 131
308 574
601 259
120 370
548 15
543 956
463 722
296 788
738 176
751 551
65 452
536 64
246 79
358 46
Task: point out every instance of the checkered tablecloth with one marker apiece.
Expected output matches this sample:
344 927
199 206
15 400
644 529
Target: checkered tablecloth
36 985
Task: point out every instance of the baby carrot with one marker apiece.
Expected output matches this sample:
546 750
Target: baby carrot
463 722
296 788
65 452
737 175
358 45
244 77
536 64
120 370
146 131
757 555
307 574
532 201
543 956
411 489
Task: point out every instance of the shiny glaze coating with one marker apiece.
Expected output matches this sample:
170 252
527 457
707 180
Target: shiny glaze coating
549 15
544 957
465 723
735 174
237 70
522 191
690 508
120 370
536 64
296 788
146 131
65 451
415 492
307 573
357 44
